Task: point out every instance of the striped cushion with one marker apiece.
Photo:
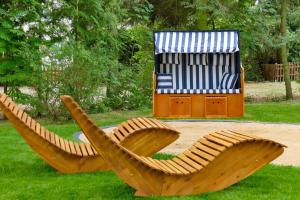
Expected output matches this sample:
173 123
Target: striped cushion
197 59
228 81
170 58
164 81
198 91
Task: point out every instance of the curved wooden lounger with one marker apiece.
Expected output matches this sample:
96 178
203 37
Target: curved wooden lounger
143 136
212 163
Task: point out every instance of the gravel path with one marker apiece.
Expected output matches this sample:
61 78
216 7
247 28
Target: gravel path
288 134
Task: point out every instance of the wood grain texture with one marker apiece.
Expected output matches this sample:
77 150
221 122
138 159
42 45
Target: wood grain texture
213 163
71 157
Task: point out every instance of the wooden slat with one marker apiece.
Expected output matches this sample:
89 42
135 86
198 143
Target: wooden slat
237 135
218 141
83 149
43 134
177 166
226 138
149 121
158 123
7 102
114 137
133 125
3 97
57 143
77 148
94 150
196 158
38 128
243 135
202 153
52 137
233 136
47 135
206 149
11 106
157 165
67 146
72 148
141 120
62 144
119 135
184 165
212 145
89 149
128 128
33 124
24 117
190 162
28 122
123 131
20 113
15 110
138 123
171 167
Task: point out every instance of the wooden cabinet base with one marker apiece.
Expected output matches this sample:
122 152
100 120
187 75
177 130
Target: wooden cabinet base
198 105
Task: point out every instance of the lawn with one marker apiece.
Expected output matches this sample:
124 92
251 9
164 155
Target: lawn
23 175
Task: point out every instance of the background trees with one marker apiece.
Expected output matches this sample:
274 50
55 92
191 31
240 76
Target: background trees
101 51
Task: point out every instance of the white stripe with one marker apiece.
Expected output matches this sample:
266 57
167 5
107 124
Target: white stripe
199 41
194 77
219 42
164 83
200 77
193 41
206 78
224 42
168 68
179 42
231 41
186 41
214 70
174 75
161 69
173 42
212 41
188 77
160 41
205 42
164 78
167 41
180 76
232 64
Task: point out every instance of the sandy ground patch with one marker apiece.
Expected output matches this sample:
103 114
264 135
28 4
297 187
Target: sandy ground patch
288 134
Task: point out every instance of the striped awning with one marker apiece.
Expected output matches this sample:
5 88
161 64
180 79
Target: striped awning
196 42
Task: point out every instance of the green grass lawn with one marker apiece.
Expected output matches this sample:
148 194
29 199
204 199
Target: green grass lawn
23 175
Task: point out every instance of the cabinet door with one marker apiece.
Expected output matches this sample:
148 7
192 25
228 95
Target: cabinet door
215 106
180 106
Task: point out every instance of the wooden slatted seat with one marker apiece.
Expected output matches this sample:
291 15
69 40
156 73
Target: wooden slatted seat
71 157
212 163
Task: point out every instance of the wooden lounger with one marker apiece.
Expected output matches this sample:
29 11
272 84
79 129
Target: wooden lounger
213 163
143 136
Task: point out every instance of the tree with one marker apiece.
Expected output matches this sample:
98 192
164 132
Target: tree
284 50
20 39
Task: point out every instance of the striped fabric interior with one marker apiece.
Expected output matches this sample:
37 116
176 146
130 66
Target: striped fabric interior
196 42
203 77
169 58
197 59
228 81
164 81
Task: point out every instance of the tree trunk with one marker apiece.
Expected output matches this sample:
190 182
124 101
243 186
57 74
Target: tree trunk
286 69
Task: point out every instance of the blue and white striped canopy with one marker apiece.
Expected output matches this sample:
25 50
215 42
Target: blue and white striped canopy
196 42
